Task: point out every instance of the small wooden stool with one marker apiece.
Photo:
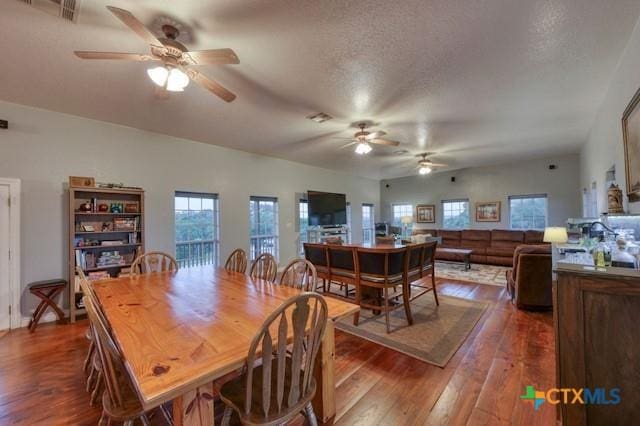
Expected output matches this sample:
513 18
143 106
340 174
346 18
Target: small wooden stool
46 290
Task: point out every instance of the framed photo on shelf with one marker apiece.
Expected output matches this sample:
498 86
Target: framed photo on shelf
488 211
426 213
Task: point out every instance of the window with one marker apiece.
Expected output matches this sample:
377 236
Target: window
263 226
197 229
368 223
528 211
303 218
455 214
400 210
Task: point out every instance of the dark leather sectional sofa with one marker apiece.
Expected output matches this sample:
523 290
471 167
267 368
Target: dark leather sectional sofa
495 247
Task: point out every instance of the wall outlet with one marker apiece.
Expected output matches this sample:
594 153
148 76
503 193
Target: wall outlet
4 124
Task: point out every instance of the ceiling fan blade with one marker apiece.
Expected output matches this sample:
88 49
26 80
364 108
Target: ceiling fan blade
437 165
385 142
138 27
375 135
209 84
115 56
213 57
348 145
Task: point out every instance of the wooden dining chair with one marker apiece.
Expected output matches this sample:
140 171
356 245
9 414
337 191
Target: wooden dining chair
428 269
264 267
119 401
237 261
381 271
153 261
300 274
91 366
283 383
318 255
415 261
343 269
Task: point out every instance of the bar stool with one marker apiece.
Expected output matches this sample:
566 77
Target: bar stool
46 291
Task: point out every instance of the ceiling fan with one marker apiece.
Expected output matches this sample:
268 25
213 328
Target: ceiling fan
174 73
426 166
363 140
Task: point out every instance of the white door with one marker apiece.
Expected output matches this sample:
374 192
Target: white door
5 290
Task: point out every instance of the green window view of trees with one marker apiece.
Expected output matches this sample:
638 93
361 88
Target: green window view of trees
303 218
196 228
528 211
455 214
263 226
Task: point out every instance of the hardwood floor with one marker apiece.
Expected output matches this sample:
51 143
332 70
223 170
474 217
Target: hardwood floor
41 380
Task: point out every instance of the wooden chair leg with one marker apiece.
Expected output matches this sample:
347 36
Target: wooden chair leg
433 284
91 378
356 316
87 361
386 309
145 420
104 419
226 417
405 302
97 389
310 415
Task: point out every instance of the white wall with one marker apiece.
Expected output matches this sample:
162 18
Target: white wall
493 183
43 148
604 147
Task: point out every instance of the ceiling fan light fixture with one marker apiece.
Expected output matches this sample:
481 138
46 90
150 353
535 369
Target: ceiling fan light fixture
177 80
363 148
158 75
424 170
172 79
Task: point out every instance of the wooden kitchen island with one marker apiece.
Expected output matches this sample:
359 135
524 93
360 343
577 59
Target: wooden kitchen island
596 319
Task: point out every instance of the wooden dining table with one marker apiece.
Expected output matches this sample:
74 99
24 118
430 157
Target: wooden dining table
179 332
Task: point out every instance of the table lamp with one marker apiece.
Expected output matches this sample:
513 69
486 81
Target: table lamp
406 221
555 235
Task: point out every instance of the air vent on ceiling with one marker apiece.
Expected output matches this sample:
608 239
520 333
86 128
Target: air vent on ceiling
320 117
66 9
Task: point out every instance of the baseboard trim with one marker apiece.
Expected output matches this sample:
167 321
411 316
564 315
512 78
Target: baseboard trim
47 317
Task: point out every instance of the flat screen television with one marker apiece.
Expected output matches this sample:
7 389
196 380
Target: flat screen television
327 209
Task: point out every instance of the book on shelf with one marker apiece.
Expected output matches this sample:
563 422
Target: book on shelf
86 260
112 242
133 238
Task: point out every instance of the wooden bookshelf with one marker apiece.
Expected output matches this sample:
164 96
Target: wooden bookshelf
85 244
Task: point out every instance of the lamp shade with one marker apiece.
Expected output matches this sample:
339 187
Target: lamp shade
555 234
406 220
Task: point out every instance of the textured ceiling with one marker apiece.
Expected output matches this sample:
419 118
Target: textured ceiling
477 82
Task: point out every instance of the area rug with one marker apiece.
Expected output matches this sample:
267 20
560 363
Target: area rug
437 331
483 274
